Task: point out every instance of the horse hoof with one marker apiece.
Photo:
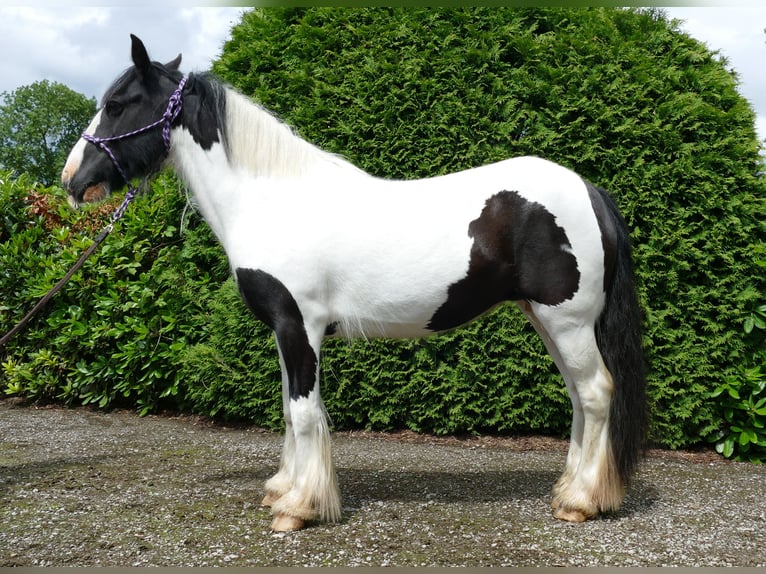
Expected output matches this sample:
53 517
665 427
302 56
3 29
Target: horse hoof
269 500
286 523
569 515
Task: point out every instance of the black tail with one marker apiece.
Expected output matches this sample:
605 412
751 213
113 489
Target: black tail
619 334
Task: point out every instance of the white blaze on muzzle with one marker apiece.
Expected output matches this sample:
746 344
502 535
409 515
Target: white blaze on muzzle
74 160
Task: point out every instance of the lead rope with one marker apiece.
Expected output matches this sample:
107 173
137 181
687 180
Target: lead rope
171 113
57 287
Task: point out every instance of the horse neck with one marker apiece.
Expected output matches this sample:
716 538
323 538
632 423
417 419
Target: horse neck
255 153
207 175
260 144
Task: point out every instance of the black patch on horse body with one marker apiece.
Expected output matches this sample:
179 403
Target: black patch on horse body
518 253
608 228
272 303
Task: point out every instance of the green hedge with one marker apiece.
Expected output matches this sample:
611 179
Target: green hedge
116 334
620 96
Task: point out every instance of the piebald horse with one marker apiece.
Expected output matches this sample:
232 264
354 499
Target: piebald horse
320 248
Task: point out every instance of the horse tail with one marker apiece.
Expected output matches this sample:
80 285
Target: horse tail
619 338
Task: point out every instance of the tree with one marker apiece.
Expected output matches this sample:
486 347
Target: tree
39 124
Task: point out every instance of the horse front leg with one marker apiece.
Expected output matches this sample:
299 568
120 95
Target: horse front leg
282 481
313 494
305 488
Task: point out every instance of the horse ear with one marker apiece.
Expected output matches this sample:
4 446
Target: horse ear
140 55
173 64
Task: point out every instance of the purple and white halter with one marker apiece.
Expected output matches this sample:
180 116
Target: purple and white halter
175 103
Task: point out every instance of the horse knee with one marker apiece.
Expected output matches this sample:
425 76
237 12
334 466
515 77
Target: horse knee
307 415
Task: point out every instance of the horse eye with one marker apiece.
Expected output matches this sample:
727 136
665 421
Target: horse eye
114 108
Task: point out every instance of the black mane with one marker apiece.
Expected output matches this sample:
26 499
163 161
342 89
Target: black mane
205 102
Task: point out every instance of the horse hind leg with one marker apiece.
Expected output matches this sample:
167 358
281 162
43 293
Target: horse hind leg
576 432
596 486
591 483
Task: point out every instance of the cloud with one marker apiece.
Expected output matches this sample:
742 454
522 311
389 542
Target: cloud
85 48
214 27
39 46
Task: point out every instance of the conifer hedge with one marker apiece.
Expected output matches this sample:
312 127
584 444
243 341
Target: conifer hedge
621 96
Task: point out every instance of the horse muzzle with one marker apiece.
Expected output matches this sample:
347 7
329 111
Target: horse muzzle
74 179
91 193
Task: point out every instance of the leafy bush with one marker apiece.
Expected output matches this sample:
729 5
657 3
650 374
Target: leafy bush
741 398
743 403
234 373
114 335
455 383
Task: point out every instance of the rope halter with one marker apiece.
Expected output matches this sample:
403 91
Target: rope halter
175 103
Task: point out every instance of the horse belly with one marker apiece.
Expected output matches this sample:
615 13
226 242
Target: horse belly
397 295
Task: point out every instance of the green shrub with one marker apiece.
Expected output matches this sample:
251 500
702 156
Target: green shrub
234 373
114 335
741 398
621 96
455 383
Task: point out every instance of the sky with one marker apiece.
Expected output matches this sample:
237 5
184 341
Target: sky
86 47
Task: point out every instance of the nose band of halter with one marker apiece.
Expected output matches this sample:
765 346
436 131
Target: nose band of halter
175 103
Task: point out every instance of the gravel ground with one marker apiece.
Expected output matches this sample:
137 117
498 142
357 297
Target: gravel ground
82 488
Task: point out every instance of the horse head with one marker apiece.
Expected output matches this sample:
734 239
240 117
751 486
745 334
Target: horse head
124 146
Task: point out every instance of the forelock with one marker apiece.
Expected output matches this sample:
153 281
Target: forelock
121 81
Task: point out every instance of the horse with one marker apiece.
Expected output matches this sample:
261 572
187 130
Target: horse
320 248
